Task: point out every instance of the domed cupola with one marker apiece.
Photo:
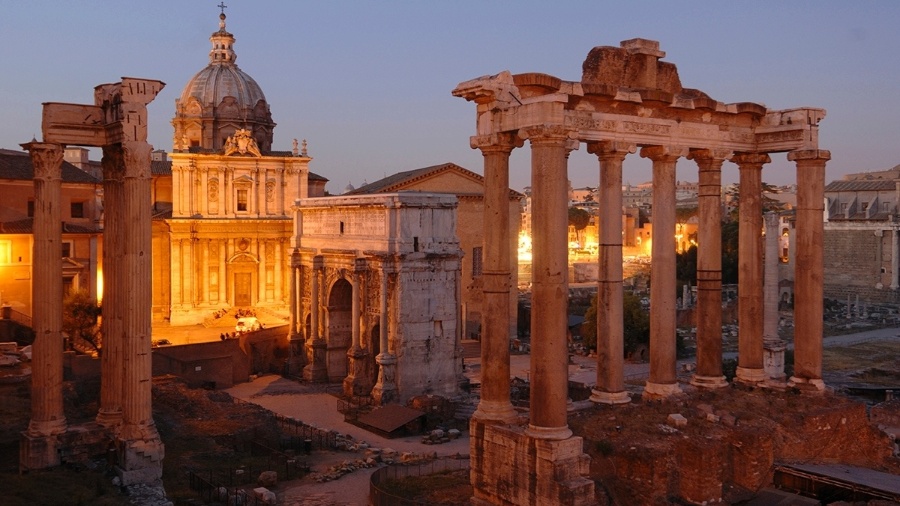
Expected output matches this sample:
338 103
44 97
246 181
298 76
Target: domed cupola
220 100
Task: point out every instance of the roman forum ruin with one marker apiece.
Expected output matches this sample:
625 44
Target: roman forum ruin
117 122
627 99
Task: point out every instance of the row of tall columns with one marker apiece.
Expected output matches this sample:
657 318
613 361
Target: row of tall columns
610 387
495 405
709 269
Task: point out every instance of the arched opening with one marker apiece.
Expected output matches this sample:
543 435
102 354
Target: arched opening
338 334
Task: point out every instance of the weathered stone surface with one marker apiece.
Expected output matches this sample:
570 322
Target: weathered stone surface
676 420
267 479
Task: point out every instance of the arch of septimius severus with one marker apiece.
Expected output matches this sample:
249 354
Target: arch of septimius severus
627 100
117 122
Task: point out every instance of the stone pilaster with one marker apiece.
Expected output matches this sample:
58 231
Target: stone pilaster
895 259
709 269
808 289
663 381
38 449
610 388
495 405
385 389
750 368
316 369
549 295
355 383
773 345
110 412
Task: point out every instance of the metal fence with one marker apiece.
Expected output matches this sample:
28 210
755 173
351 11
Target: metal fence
211 491
378 496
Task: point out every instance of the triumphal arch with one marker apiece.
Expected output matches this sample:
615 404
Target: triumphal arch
627 102
116 122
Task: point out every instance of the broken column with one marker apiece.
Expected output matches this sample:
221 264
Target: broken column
38 448
773 345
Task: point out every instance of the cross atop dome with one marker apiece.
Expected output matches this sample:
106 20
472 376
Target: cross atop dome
222 41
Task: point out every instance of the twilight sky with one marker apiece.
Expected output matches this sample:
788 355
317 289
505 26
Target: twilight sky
368 83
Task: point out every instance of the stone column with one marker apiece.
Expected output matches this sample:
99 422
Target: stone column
895 260
279 274
316 370
261 283
663 381
808 290
223 271
176 192
610 387
355 382
773 346
204 270
750 368
495 405
203 204
39 444
709 269
385 389
549 296
110 412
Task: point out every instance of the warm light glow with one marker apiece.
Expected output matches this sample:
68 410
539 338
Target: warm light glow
99 284
524 251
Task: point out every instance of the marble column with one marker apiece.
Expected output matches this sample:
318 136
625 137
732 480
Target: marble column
709 269
110 412
355 382
549 295
773 345
808 290
495 405
663 381
610 388
750 368
385 389
316 370
47 416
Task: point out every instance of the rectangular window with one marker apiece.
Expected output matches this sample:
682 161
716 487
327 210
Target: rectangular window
31 209
67 249
5 251
476 261
242 200
77 209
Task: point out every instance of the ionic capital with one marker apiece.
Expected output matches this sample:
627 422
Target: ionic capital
503 142
665 154
548 134
46 158
751 160
611 150
809 155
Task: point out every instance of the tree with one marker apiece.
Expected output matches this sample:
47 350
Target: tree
636 322
80 316
579 219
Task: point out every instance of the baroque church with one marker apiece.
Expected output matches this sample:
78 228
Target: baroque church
222 201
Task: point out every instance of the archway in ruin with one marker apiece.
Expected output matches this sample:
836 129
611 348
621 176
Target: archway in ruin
338 333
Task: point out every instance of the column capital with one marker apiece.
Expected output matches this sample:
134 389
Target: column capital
548 133
611 150
360 265
750 160
809 155
503 142
137 159
318 262
664 153
709 155
46 159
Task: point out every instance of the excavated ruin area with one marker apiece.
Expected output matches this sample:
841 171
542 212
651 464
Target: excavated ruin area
728 446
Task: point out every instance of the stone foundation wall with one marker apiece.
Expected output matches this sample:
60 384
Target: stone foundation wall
858 262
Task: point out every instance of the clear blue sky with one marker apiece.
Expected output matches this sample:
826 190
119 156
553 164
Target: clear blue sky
368 83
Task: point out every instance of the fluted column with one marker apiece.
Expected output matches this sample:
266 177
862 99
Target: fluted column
354 383
709 269
261 275
549 296
137 416
385 389
750 368
110 412
808 290
316 370
47 416
663 381
773 345
610 388
495 405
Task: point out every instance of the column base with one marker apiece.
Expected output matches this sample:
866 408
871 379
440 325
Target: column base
548 433
773 359
709 382
38 452
495 412
384 394
47 428
659 391
109 419
750 377
355 383
808 385
601 397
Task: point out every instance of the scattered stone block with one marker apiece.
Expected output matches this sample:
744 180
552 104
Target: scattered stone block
265 495
267 479
712 418
676 420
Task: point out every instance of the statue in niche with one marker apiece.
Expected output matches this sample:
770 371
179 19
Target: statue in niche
213 189
270 191
242 143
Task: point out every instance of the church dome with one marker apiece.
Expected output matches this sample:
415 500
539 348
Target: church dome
219 100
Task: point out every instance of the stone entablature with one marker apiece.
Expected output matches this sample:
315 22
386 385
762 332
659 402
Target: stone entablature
376 294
